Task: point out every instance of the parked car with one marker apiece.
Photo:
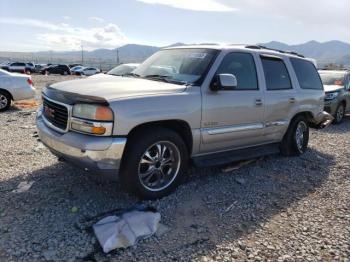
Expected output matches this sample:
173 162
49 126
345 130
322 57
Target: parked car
89 71
77 70
30 68
17 67
56 69
39 67
123 69
74 65
14 87
222 104
337 87
5 66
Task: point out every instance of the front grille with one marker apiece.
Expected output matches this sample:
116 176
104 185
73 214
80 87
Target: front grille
55 113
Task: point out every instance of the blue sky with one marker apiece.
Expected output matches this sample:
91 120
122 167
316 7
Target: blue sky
66 24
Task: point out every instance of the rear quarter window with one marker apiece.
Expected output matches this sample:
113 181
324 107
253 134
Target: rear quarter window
307 74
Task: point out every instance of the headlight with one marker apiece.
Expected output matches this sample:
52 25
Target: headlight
93 112
92 119
331 96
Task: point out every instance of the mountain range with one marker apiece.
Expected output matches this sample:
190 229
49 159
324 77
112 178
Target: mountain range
327 52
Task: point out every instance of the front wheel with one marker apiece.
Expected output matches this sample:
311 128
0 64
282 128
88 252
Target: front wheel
296 140
339 114
154 163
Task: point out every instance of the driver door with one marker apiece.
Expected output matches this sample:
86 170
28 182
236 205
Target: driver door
233 119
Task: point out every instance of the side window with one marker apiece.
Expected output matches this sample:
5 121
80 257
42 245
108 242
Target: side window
276 74
307 74
241 65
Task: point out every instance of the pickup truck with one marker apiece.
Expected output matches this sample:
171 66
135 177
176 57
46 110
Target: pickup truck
209 104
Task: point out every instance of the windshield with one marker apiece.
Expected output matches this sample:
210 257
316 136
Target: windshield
183 66
333 78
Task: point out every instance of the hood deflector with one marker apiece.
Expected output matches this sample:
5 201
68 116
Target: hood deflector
72 98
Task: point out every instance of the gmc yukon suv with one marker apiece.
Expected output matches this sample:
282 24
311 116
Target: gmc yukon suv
209 104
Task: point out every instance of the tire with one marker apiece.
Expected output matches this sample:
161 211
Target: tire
5 101
296 140
339 114
145 171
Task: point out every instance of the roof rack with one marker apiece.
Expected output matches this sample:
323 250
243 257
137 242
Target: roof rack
273 49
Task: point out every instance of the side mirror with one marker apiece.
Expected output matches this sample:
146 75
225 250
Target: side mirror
224 82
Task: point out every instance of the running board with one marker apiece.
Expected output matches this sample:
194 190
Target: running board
223 158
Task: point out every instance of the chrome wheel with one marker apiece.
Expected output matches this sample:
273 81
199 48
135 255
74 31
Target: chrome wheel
300 135
159 166
3 101
340 113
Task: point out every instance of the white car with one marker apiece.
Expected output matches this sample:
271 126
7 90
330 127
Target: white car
14 87
89 71
77 70
17 67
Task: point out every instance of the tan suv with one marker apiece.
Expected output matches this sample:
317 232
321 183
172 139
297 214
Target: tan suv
211 104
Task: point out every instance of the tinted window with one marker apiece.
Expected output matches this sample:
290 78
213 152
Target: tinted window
276 74
307 74
243 67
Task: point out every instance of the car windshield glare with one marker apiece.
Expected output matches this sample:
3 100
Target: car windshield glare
333 78
182 66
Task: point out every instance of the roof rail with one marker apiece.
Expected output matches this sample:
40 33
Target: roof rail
273 49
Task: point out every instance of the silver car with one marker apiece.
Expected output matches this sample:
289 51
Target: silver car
209 104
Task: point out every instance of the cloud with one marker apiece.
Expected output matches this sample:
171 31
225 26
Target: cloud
194 5
66 37
96 19
66 17
310 12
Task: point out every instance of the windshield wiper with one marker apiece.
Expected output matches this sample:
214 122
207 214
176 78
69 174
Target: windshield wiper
131 74
165 78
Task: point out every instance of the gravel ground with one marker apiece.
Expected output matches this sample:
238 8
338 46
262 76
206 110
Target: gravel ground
271 209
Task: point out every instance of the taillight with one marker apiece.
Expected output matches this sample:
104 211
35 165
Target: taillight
30 82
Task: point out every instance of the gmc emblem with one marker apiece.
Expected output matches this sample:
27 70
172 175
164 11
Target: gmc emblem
49 112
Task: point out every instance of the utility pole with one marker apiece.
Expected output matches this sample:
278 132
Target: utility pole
82 54
117 56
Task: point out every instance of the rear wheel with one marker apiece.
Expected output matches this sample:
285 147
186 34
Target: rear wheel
296 140
154 163
5 101
339 114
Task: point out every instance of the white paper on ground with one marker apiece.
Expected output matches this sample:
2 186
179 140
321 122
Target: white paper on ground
120 232
23 187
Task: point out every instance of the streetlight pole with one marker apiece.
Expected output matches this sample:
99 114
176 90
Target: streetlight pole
82 54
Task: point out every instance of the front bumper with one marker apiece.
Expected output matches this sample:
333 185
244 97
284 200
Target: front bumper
322 120
331 106
97 154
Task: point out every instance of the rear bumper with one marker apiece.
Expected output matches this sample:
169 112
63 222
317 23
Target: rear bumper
322 120
97 154
24 93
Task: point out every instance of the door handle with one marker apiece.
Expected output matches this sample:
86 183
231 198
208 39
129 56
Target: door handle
258 102
292 100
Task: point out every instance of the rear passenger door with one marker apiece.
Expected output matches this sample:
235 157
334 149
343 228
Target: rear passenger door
280 97
233 118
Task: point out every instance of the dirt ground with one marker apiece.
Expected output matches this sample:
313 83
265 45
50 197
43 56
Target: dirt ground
270 209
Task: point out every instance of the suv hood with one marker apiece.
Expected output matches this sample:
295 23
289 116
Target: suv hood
111 87
332 88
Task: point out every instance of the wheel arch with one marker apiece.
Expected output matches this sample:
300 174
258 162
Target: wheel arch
181 127
7 92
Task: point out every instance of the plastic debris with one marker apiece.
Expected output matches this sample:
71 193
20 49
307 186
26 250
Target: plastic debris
126 230
23 187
